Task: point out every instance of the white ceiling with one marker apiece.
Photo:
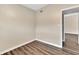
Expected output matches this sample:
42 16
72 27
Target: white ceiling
35 6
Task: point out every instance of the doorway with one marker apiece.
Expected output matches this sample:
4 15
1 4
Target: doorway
70 31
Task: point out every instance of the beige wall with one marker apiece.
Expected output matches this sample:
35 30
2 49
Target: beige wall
49 24
16 25
71 23
19 25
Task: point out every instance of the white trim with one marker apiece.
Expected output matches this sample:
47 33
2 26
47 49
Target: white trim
71 32
16 46
70 14
78 28
49 43
61 39
70 8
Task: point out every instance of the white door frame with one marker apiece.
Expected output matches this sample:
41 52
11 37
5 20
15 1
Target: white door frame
62 26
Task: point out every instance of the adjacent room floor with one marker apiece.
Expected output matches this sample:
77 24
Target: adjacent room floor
71 43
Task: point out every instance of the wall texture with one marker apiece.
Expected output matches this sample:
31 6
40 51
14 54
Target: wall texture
16 25
49 22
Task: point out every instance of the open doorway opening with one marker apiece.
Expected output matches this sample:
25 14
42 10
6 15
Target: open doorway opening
70 27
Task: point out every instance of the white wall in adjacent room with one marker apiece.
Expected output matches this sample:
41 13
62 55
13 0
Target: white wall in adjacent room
71 23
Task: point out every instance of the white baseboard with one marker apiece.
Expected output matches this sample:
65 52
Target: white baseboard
49 43
27 43
16 47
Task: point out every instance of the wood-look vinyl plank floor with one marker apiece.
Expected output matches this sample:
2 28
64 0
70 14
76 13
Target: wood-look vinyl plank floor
36 48
52 50
40 48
